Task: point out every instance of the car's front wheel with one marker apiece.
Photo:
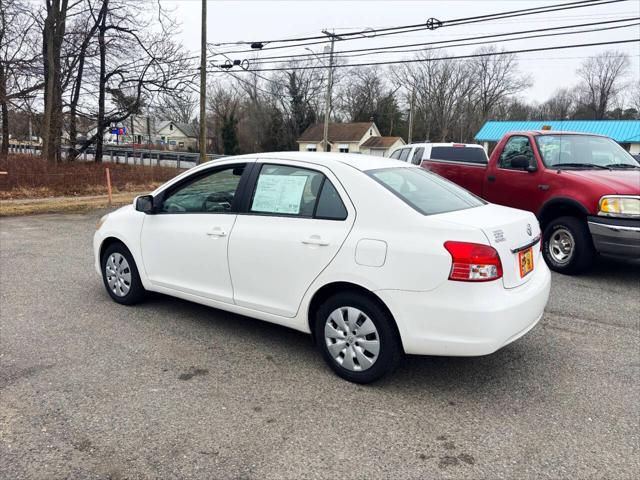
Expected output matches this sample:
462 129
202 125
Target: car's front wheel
567 245
120 275
357 337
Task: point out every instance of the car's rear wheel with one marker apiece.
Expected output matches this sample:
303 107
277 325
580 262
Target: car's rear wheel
567 246
120 275
357 337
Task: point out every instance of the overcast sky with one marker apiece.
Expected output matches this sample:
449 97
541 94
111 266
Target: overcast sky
268 19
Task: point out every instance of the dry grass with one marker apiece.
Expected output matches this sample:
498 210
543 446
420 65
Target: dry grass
33 177
62 204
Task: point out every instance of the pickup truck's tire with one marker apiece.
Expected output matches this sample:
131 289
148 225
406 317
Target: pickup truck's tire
567 246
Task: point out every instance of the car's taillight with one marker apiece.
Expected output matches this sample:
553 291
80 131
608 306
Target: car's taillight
473 262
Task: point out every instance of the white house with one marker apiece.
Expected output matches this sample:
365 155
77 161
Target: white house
180 136
381 146
343 137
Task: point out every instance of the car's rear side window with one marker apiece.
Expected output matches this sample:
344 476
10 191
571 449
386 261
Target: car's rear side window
427 193
330 204
404 153
285 190
460 154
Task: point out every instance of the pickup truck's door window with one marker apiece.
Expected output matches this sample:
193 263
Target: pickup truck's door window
296 223
516 146
184 246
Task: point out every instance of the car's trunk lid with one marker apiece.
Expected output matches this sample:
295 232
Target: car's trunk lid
509 231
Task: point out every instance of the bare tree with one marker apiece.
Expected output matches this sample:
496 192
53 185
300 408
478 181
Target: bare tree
635 98
559 106
366 95
154 65
602 81
496 77
299 95
180 108
442 88
53 37
224 103
19 56
80 50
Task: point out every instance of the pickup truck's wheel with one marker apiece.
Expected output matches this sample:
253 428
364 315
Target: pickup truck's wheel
120 275
567 245
357 337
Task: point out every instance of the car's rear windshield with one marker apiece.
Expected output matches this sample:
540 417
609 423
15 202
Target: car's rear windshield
460 154
426 192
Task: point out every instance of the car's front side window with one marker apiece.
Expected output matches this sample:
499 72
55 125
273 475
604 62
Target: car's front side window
212 193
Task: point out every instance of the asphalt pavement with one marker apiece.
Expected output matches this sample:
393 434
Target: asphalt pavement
169 389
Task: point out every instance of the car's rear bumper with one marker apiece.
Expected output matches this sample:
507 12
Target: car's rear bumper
467 319
615 236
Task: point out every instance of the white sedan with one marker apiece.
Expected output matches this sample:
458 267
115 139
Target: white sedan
372 257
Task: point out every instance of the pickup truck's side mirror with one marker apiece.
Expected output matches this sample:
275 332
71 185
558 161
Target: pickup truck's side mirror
521 162
144 203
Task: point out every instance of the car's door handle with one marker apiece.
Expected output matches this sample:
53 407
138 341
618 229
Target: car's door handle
491 178
217 232
315 240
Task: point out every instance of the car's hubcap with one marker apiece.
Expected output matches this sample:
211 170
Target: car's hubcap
561 245
118 274
352 339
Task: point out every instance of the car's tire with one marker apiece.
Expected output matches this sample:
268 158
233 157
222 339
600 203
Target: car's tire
373 351
567 245
120 275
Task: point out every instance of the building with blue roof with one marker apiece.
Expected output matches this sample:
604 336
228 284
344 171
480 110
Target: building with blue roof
625 132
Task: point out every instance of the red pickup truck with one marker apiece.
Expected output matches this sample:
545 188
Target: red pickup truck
584 189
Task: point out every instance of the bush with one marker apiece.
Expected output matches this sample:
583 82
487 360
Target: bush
31 176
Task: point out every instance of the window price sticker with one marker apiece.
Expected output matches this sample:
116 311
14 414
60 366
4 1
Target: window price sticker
279 194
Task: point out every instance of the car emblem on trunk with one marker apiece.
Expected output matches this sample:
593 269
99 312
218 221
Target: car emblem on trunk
498 236
529 231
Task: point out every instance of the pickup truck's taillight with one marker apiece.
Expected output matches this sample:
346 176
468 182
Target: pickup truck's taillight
473 262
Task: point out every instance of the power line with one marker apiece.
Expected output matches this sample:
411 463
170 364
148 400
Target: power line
431 24
457 57
485 43
443 42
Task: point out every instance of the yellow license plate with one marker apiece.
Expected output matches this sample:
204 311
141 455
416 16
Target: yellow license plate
525 260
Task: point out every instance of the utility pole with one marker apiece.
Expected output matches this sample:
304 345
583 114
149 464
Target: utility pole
327 107
203 85
411 103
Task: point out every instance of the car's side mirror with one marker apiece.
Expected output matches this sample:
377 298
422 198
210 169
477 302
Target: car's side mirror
144 203
521 162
